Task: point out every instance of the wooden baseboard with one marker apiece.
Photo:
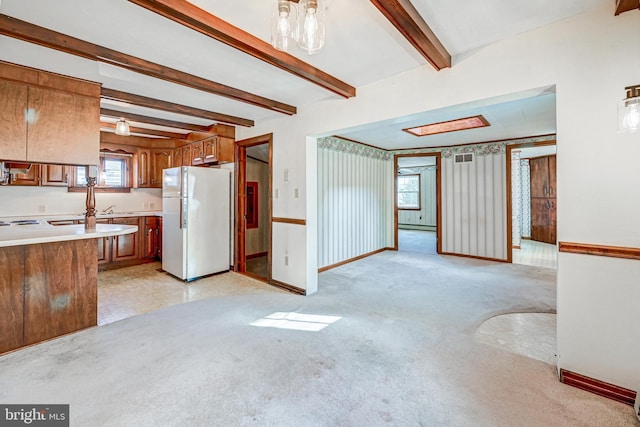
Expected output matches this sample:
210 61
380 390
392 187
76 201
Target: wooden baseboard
257 255
347 261
474 257
288 287
516 247
600 250
598 387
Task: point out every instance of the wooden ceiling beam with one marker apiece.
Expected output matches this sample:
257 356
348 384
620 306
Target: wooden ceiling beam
626 5
157 104
413 27
197 19
145 131
26 31
153 120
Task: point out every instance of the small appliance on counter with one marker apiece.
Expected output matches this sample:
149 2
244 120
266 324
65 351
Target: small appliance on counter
196 225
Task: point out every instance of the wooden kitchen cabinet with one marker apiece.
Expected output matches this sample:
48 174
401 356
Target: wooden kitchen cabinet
150 241
144 167
46 117
13 127
126 246
31 178
159 240
543 199
187 158
177 157
11 298
55 175
160 160
197 151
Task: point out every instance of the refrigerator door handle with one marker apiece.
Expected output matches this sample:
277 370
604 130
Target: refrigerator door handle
181 218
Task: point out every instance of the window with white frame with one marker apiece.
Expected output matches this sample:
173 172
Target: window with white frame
409 192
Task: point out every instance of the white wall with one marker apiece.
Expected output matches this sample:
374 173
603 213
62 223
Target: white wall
426 216
25 201
257 239
590 58
355 200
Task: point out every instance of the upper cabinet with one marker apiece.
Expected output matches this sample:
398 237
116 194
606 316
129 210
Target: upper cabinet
48 118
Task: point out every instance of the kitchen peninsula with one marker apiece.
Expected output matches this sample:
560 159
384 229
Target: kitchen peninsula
49 287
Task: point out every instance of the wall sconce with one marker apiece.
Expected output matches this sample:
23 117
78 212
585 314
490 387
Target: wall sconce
629 110
122 127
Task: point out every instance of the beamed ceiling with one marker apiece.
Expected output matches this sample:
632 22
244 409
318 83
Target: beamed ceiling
172 66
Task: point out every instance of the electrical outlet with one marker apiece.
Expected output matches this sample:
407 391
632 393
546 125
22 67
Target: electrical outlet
296 193
277 194
286 260
42 208
286 175
152 205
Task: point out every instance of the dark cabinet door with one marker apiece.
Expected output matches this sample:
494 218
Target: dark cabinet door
159 232
13 127
150 243
539 177
125 247
161 161
144 168
543 220
552 176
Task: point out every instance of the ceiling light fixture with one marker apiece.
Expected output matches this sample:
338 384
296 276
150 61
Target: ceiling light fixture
449 126
122 127
629 110
303 24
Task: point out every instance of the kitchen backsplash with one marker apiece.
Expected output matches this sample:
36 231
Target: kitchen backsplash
22 200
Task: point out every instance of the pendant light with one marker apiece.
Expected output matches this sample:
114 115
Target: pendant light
629 110
284 24
311 26
122 127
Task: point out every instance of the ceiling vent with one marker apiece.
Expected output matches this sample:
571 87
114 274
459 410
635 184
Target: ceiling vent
463 158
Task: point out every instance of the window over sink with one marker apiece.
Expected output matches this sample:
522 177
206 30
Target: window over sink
114 174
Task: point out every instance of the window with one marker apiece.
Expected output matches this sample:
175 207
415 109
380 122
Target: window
113 174
409 192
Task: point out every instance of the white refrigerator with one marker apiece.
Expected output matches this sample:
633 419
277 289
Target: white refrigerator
196 229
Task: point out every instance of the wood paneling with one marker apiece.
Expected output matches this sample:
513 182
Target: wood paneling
408 21
26 31
13 128
60 289
599 250
202 21
11 297
65 128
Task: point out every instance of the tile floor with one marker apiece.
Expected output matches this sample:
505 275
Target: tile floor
536 254
130 291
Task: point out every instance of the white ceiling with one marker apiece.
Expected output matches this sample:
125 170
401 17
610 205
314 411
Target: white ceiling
361 47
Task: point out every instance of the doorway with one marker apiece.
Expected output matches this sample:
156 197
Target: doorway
417 203
253 207
532 204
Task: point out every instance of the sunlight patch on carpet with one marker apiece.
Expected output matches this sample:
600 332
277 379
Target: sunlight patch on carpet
296 321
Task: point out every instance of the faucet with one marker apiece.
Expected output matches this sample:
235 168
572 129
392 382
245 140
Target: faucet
108 210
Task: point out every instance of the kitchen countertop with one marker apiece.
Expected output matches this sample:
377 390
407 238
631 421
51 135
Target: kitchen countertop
68 217
35 234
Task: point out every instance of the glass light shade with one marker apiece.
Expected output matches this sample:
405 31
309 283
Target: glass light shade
122 128
629 115
311 26
284 24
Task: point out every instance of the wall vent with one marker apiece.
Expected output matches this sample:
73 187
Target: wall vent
463 158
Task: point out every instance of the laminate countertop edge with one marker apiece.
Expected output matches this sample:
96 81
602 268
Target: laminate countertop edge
32 235
74 217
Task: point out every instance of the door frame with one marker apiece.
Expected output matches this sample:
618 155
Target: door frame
240 202
438 156
509 149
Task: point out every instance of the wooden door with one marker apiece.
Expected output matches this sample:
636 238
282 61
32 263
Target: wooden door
543 199
539 176
161 160
125 247
144 167
552 176
11 297
540 219
31 178
13 128
64 127
55 175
